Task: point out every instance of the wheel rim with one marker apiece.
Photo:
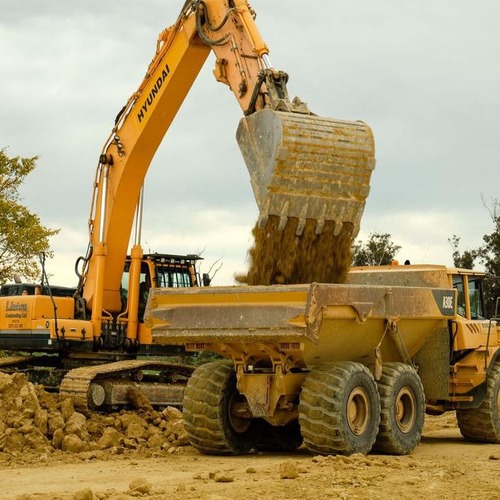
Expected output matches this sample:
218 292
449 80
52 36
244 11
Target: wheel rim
236 407
405 410
358 411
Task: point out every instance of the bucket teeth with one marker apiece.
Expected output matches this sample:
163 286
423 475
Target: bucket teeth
320 224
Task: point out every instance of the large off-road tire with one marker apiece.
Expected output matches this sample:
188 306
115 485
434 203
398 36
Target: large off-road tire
402 414
211 423
483 424
339 410
279 438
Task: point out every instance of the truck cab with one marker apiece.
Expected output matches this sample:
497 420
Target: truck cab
470 299
474 339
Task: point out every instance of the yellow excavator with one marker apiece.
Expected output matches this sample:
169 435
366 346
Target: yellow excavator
302 167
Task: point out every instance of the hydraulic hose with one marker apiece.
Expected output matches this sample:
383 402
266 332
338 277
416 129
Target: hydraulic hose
199 26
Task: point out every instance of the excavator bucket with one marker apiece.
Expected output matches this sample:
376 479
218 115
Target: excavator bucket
307 167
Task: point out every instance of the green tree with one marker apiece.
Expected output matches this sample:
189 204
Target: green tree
378 250
465 259
489 255
22 236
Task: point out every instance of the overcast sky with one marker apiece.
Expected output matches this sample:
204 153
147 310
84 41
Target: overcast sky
423 74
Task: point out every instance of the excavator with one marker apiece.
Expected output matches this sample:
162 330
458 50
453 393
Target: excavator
303 168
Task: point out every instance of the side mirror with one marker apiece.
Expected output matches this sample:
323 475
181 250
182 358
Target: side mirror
206 279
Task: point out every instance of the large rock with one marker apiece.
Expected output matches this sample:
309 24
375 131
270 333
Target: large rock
156 439
111 438
67 408
171 413
140 485
55 422
57 438
5 383
12 441
127 419
86 494
29 398
136 431
41 421
73 444
77 425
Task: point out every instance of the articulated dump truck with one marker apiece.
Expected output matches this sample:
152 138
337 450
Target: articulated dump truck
343 368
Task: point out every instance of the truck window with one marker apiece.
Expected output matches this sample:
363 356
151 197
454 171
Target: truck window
476 299
458 284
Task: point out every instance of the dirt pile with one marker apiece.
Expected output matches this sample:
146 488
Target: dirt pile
32 419
280 256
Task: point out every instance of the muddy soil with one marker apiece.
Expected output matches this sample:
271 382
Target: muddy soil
144 454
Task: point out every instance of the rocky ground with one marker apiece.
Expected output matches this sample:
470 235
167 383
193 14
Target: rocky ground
34 422
50 451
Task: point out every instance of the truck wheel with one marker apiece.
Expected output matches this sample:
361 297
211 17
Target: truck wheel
339 410
483 424
402 413
210 403
279 438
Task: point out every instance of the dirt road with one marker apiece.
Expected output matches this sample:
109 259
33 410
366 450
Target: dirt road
443 466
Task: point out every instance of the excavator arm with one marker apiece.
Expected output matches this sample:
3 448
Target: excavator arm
145 119
301 167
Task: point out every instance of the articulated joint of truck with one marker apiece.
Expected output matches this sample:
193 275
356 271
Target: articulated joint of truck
271 395
269 377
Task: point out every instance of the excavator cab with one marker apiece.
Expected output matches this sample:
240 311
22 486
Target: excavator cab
160 270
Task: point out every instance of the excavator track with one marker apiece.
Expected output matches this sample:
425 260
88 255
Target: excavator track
15 362
95 387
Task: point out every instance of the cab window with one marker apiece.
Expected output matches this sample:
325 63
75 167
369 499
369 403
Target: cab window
475 296
476 299
173 277
458 284
144 283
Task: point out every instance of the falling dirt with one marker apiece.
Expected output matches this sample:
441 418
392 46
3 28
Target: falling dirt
281 256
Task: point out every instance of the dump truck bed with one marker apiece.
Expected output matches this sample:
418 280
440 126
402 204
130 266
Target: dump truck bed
325 322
